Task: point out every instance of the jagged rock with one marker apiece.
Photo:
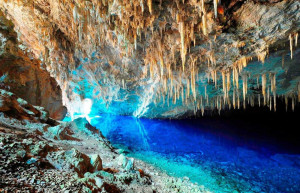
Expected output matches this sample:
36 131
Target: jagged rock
21 153
99 182
16 107
126 163
122 160
96 162
41 149
79 161
130 164
31 161
62 132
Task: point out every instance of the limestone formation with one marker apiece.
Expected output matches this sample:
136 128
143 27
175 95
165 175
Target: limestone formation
162 58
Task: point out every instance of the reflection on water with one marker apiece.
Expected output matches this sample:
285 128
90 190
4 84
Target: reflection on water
221 161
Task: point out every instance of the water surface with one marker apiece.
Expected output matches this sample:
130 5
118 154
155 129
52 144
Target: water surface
212 154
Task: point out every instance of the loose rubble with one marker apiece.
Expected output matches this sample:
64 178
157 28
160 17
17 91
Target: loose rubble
39 154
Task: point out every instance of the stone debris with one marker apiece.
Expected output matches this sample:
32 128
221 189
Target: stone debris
38 156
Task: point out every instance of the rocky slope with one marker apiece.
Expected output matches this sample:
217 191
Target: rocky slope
20 72
160 58
39 154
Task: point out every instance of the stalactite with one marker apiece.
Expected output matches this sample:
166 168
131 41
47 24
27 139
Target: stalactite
293 104
238 100
245 87
263 83
268 96
224 85
123 83
273 89
273 82
135 41
188 89
204 24
182 95
131 24
216 8
149 3
183 47
291 45
286 102
261 56
228 81
298 91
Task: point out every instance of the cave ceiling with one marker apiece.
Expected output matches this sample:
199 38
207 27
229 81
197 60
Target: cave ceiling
164 58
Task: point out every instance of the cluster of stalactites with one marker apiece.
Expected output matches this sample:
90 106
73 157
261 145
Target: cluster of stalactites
234 96
291 37
122 24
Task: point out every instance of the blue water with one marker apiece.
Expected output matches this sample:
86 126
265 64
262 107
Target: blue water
217 158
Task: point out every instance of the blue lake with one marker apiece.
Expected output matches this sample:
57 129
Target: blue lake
211 154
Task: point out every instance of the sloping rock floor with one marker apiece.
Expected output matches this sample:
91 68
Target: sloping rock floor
38 154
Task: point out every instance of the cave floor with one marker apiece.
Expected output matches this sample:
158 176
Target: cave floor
36 157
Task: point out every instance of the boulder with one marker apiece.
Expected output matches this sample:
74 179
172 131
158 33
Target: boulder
96 162
79 161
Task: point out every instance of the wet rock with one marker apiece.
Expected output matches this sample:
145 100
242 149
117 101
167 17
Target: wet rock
41 149
129 165
79 161
122 160
99 182
15 107
62 132
21 153
96 162
126 163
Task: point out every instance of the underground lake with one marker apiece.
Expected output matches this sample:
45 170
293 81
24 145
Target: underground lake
223 154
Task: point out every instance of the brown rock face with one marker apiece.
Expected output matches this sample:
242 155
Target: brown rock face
21 74
15 107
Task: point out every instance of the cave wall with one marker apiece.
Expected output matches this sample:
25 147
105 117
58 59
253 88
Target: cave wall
20 73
